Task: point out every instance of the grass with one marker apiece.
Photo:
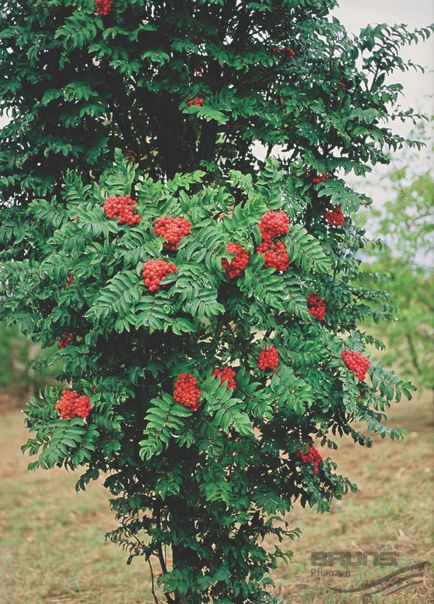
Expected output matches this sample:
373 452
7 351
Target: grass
53 550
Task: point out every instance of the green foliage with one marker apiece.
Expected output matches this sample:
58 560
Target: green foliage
212 484
164 420
12 350
130 345
23 367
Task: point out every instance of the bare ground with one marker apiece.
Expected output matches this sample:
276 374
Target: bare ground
53 550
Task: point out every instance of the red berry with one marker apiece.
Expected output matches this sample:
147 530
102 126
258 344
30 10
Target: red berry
310 456
65 340
268 358
273 224
186 391
198 102
236 266
275 255
103 7
334 216
320 178
154 271
71 404
227 374
122 209
286 49
173 230
357 363
69 280
316 306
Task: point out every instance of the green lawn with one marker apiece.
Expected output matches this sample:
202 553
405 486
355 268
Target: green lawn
53 550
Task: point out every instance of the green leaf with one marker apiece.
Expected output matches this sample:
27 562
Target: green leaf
165 420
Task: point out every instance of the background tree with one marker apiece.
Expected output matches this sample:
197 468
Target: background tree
207 324
404 256
23 366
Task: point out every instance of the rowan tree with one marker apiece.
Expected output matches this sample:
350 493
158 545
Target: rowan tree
200 280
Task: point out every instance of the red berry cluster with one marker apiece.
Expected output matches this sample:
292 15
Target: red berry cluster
320 178
343 85
103 7
198 102
275 255
69 280
236 266
65 340
268 358
186 391
357 363
273 224
154 271
334 216
286 49
71 404
311 456
227 374
172 230
122 208
316 306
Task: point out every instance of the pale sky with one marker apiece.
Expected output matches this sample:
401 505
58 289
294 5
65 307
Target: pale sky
418 87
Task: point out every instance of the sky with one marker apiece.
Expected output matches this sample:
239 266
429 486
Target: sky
356 14
418 87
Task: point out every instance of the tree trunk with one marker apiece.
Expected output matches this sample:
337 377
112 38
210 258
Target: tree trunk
183 556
